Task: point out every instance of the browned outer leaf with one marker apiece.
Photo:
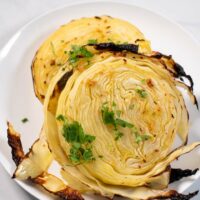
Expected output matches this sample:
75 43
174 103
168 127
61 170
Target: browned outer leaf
18 155
14 142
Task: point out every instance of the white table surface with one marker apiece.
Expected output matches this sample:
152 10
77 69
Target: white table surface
16 13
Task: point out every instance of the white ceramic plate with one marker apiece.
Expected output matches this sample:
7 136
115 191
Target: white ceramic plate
17 99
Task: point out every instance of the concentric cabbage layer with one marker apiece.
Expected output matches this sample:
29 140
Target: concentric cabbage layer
54 51
124 167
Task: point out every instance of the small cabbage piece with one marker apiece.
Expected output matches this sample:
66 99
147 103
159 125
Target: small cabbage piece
55 51
36 162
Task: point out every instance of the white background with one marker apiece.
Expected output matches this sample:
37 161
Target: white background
16 13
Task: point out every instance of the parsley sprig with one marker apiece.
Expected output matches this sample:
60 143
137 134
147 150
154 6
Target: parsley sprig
92 41
78 52
81 143
109 118
139 137
141 92
24 120
53 49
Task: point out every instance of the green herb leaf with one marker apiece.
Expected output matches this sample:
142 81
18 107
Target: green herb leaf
118 135
53 48
24 120
88 155
140 138
118 113
114 104
92 41
134 130
76 145
145 137
74 155
123 123
142 93
78 52
89 138
60 118
108 116
73 133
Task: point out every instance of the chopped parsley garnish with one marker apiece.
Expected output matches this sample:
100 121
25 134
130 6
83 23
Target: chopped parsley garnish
78 154
81 143
118 135
61 118
114 104
53 48
109 118
24 120
141 92
123 123
140 138
78 52
92 41
118 113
